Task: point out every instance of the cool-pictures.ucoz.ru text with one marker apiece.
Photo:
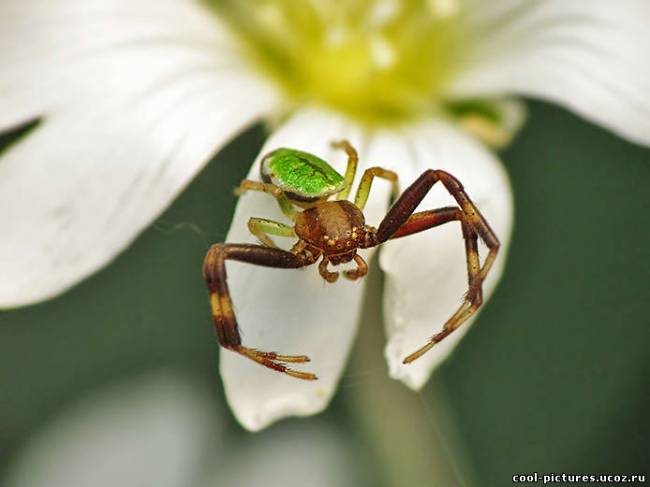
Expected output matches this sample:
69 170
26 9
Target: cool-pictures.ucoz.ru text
562 478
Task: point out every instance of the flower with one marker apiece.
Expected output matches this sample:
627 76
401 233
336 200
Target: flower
161 429
135 96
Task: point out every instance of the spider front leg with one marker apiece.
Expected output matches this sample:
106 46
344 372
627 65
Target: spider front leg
214 272
400 221
419 222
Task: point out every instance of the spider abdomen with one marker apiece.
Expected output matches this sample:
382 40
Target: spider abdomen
335 227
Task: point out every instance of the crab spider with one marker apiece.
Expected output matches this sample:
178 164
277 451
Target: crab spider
331 228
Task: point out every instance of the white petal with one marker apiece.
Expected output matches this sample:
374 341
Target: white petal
293 311
589 57
136 96
426 273
59 53
305 455
79 189
151 431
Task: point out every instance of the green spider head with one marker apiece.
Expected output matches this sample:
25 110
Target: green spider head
301 175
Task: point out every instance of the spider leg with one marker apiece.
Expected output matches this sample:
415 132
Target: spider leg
473 299
366 183
214 272
261 227
400 221
351 169
285 205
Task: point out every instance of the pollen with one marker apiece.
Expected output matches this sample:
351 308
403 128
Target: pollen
376 64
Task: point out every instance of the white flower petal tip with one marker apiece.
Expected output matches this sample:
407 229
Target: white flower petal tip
149 431
418 377
255 416
99 169
588 60
301 323
410 329
295 311
426 273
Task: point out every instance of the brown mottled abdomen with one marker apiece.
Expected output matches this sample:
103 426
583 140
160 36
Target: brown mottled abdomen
335 227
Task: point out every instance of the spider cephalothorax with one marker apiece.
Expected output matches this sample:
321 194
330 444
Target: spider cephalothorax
333 228
333 231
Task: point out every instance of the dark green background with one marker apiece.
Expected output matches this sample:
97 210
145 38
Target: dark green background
555 377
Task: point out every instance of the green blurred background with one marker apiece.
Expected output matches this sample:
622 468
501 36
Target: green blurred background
553 377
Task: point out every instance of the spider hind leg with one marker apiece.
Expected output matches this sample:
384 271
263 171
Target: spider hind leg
262 228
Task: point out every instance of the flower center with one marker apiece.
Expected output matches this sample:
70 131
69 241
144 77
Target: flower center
377 60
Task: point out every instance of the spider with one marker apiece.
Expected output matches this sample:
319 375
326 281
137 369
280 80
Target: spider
332 230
